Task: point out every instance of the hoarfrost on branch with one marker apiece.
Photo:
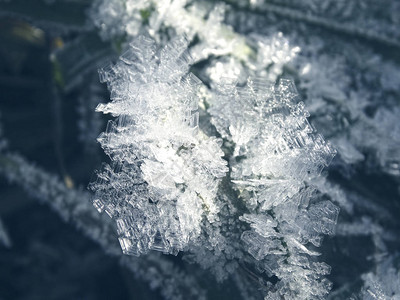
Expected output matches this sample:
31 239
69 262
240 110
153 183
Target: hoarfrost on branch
240 196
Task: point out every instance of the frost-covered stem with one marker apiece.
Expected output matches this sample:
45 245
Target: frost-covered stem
74 206
4 238
182 16
321 22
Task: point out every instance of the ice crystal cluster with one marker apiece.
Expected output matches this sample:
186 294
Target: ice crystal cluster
165 173
383 283
242 195
202 20
275 153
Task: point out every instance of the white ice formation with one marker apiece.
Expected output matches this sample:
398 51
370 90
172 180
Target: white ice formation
165 173
275 152
238 198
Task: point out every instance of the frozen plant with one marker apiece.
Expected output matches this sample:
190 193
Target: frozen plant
169 188
203 20
203 24
361 18
165 173
271 54
346 91
354 116
383 283
275 154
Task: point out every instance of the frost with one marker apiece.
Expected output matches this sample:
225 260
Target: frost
343 93
169 190
382 284
359 18
4 238
74 206
274 51
3 141
165 173
201 19
343 115
275 152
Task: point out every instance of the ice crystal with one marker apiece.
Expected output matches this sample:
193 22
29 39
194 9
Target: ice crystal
168 187
343 93
360 17
341 110
165 173
273 53
74 206
275 152
269 130
383 283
